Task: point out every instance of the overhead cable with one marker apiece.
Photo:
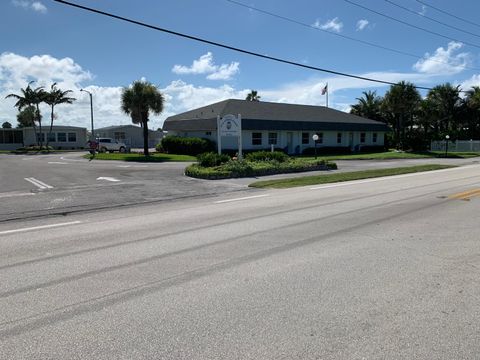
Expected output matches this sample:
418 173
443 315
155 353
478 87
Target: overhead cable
431 19
416 56
449 14
411 25
213 43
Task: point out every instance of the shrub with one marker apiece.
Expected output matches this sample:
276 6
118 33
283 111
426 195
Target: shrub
186 145
239 168
267 156
212 159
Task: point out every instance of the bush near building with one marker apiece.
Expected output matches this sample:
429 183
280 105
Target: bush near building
185 145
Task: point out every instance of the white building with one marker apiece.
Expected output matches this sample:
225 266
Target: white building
285 126
130 135
61 137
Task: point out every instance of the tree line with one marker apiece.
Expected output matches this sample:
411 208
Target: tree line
416 121
28 105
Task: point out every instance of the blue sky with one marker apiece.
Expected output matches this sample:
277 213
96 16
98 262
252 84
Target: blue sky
46 41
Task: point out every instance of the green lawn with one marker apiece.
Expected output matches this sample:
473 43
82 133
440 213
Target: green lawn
389 155
157 157
348 176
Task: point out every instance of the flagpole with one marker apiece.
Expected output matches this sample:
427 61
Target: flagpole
327 93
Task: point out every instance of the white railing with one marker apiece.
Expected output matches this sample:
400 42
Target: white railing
456 146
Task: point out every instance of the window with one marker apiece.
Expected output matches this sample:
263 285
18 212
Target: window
256 138
272 138
305 138
339 138
119 135
362 138
51 137
208 133
62 137
72 137
40 137
374 137
11 136
320 138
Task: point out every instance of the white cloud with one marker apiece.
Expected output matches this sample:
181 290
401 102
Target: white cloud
30 5
38 6
333 24
444 61
362 24
473 81
206 65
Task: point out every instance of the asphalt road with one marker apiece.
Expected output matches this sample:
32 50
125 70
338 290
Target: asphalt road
376 269
39 185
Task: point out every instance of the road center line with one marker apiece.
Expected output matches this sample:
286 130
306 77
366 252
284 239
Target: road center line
382 178
39 227
240 199
38 183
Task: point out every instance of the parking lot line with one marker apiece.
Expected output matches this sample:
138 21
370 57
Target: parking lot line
38 183
39 227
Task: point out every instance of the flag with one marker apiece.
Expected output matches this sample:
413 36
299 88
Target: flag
325 89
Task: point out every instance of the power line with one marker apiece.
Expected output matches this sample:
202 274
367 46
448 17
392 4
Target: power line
410 25
250 7
248 52
449 14
431 19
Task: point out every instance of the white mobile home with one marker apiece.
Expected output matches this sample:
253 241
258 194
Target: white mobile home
61 137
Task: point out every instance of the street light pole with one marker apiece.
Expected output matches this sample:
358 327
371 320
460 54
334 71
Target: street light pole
315 138
91 111
446 144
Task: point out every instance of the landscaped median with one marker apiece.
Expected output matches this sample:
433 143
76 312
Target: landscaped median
347 176
212 166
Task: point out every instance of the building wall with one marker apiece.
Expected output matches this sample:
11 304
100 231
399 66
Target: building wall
63 137
131 136
347 139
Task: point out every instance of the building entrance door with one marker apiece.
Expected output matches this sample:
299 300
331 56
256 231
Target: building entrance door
290 142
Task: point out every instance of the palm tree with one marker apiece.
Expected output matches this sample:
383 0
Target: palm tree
56 97
31 98
472 109
400 105
368 106
137 101
446 103
253 96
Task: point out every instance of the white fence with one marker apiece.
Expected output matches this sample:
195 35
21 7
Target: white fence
456 146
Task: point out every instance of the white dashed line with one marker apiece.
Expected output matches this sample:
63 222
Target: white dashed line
240 199
13 194
39 227
58 162
38 183
107 178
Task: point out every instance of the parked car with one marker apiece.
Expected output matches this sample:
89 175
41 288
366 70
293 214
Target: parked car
110 145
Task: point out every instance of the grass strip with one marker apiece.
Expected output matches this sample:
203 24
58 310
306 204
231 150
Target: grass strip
347 176
160 157
392 155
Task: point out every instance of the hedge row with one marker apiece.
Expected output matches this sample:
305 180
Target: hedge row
244 168
185 145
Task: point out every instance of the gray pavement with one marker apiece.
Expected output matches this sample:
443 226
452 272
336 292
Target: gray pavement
378 269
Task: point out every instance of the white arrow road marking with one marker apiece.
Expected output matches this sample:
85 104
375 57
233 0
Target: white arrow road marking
39 227
38 183
58 162
107 178
240 199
